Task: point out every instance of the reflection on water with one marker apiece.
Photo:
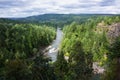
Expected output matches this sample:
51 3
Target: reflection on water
53 50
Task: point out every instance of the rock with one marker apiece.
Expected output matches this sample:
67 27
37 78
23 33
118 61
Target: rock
113 31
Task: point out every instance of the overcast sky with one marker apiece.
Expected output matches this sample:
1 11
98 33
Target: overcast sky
23 8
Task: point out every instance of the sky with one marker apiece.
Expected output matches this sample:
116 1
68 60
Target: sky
24 8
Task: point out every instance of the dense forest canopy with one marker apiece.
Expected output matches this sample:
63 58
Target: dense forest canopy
60 19
19 46
87 39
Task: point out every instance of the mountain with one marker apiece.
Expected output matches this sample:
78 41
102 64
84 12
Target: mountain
59 19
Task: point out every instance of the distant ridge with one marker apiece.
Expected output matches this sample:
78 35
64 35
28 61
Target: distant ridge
48 17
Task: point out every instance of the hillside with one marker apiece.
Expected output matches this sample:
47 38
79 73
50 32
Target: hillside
60 19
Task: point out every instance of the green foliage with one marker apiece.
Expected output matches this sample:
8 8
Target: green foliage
37 69
113 62
24 39
61 67
80 63
84 41
114 49
16 69
91 41
78 48
19 45
41 69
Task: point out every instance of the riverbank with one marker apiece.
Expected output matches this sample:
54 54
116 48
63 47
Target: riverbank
52 50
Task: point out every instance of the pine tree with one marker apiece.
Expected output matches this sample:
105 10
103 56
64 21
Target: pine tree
79 68
61 67
113 66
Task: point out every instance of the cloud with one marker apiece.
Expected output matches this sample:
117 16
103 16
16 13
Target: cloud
23 8
107 2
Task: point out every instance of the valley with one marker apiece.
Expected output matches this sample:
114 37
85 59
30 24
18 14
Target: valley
60 47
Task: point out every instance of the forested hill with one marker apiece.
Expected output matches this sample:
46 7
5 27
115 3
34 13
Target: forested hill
7 20
59 19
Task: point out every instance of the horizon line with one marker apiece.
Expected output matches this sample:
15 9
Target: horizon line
63 14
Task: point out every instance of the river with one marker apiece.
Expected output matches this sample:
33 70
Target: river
52 51
54 47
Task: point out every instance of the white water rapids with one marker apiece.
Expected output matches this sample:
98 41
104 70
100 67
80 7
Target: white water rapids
52 50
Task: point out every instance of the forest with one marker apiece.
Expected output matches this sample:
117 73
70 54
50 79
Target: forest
87 40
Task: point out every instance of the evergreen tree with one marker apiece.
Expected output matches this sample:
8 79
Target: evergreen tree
79 68
61 67
113 66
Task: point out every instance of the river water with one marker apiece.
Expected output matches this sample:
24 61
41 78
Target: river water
54 47
52 51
